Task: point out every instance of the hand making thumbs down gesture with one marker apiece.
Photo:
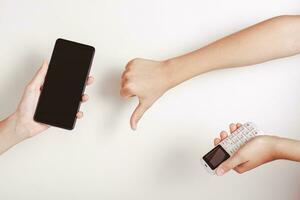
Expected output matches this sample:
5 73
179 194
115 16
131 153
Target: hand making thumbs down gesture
147 80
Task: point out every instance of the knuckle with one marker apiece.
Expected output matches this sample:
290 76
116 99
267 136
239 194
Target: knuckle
136 60
129 86
133 62
128 66
223 132
127 75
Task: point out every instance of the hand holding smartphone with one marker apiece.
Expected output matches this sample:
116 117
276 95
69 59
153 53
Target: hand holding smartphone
64 84
231 144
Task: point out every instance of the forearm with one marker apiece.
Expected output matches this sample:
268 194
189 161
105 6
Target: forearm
271 39
9 134
287 149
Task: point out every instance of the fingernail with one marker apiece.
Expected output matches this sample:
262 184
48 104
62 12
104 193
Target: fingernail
220 172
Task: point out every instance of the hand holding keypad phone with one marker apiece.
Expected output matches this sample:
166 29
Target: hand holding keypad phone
64 84
229 146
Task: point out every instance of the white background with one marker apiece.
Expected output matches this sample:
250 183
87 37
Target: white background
102 158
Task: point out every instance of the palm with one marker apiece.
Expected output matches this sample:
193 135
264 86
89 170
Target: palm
28 104
26 111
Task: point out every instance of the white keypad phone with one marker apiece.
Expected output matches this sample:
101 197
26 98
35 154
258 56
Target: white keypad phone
229 146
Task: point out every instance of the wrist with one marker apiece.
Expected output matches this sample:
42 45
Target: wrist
287 149
9 134
168 71
276 148
174 72
184 68
269 143
279 144
13 126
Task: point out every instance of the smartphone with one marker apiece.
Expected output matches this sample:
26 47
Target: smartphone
64 84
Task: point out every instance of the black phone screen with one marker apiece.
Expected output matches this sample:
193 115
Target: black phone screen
64 84
216 156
